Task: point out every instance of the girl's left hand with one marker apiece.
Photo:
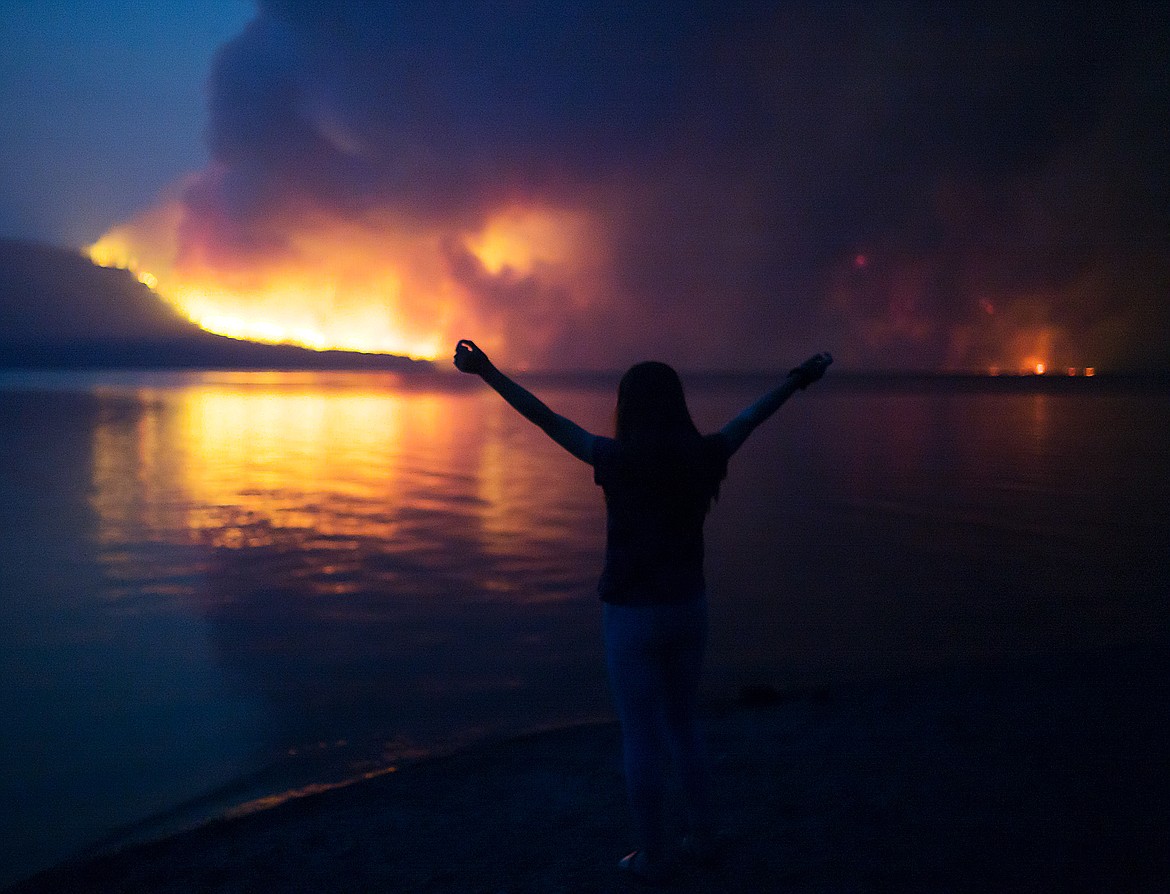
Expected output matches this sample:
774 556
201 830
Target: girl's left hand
469 358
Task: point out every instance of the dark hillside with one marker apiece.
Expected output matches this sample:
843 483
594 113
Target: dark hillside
57 308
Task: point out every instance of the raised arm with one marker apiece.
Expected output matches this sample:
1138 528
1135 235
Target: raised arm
737 430
470 359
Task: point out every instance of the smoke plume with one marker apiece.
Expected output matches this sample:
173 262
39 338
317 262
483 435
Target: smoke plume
728 185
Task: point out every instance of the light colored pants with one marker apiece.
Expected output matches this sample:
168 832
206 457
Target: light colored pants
654 655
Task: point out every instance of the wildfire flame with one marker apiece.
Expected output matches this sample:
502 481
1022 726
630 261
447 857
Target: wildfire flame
379 285
1041 350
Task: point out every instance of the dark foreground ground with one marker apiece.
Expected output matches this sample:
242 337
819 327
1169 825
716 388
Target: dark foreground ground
1049 775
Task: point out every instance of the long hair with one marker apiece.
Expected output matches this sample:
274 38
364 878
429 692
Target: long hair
652 420
651 406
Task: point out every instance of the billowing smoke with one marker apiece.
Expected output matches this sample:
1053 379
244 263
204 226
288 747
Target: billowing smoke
730 185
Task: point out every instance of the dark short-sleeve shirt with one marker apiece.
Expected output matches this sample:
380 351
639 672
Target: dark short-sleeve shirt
655 508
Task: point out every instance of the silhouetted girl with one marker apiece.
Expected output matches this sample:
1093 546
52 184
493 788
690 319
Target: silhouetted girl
659 476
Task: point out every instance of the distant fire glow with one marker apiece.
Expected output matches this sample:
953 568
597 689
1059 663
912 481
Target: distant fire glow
1025 349
380 285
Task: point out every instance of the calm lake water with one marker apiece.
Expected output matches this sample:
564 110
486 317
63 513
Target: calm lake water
220 586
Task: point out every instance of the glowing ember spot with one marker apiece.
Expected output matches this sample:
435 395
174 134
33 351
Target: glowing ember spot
987 307
1033 366
1090 370
861 261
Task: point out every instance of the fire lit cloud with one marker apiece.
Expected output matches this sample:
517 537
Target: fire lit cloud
377 286
723 185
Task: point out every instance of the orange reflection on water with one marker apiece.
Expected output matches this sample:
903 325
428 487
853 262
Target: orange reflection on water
245 459
333 468
531 498
259 461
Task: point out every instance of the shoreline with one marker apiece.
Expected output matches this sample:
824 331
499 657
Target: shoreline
228 802
1045 773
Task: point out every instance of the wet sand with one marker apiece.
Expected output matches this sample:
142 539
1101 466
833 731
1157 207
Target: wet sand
1048 774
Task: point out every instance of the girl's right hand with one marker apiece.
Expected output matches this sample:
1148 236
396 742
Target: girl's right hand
812 369
469 358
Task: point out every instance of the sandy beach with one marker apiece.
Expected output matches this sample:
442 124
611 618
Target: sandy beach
1045 774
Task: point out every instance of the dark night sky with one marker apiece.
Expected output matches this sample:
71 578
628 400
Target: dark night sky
102 104
910 185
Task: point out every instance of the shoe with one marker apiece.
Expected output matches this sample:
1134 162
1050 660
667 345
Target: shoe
640 867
